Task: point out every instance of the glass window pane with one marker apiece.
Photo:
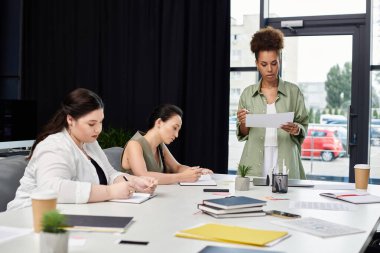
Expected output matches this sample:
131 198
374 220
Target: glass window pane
375 126
376 32
293 8
245 21
238 82
327 101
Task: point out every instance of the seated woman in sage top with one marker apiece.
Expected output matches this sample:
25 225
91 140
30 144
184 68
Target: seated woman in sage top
67 159
147 154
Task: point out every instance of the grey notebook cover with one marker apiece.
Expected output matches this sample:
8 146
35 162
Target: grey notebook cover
291 182
234 202
97 221
218 249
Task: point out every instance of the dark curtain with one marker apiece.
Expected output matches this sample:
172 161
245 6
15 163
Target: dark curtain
136 54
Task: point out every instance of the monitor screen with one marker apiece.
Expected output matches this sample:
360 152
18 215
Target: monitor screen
18 120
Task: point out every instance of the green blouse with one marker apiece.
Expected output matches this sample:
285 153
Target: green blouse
150 161
289 99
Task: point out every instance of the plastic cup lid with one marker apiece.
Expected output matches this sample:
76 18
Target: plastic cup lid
362 166
43 195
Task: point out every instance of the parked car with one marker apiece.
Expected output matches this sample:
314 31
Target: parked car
374 132
322 144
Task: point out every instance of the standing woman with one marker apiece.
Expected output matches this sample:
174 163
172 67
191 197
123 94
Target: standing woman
146 154
67 159
266 148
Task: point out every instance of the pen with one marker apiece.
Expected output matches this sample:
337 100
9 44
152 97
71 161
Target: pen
125 178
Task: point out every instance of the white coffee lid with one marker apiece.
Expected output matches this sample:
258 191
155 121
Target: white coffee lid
362 166
43 195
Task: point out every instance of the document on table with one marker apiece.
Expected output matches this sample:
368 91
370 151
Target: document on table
204 180
318 227
137 198
8 233
269 120
322 206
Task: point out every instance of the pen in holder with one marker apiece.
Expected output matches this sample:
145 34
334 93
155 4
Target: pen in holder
280 183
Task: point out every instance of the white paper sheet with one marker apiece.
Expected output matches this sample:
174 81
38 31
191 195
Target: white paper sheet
334 187
319 227
332 206
203 180
137 198
8 233
269 120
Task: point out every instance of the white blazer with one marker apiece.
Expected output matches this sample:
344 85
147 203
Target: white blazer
58 164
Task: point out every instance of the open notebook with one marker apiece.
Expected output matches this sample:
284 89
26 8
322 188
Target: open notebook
202 181
137 198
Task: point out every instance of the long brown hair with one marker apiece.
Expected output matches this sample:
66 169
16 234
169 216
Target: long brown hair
77 103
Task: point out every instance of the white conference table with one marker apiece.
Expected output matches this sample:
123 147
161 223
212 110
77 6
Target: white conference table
175 208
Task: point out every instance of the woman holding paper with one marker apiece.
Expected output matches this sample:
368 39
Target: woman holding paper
67 159
269 148
146 154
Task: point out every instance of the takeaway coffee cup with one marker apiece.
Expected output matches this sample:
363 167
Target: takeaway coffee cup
41 203
361 176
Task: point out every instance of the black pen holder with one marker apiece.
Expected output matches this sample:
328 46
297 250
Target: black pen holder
280 183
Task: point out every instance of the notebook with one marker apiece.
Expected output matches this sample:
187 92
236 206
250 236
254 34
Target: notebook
137 198
260 181
236 215
354 197
204 180
217 210
317 227
234 202
115 224
218 249
233 234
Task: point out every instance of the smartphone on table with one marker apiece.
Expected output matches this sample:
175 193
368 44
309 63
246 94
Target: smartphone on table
282 214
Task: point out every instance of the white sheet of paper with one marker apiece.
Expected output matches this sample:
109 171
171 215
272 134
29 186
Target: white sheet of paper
269 120
318 227
332 206
137 198
8 233
203 180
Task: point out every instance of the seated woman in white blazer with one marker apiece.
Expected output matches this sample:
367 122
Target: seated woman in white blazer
67 159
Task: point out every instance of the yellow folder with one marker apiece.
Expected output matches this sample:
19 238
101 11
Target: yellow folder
232 234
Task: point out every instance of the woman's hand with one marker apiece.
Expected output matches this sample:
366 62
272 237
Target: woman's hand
291 128
144 184
121 190
241 116
206 171
192 174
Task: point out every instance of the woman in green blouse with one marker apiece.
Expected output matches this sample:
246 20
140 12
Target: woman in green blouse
268 148
146 153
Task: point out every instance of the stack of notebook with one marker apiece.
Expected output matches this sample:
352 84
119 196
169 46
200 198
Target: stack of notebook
231 207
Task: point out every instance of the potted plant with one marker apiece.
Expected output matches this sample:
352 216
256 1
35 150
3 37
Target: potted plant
114 137
242 181
54 237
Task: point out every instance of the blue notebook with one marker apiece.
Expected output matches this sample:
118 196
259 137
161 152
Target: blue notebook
234 202
218 249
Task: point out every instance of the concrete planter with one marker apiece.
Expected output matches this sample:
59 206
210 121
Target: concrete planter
242 183
54 242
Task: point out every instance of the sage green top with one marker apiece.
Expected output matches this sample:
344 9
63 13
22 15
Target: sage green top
150 161
289 99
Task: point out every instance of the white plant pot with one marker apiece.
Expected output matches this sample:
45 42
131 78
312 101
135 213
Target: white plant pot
242 183
54 242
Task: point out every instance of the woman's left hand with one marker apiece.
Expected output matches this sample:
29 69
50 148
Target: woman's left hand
206 171
291 128
144 184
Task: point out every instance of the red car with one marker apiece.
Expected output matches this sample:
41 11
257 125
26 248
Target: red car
323 144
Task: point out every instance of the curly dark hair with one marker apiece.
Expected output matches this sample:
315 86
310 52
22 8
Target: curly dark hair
267 39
